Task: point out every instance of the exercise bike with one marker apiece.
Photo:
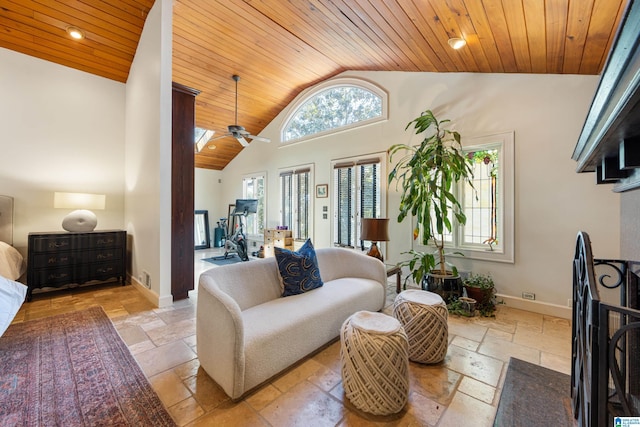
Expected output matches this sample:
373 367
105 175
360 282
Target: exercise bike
236 242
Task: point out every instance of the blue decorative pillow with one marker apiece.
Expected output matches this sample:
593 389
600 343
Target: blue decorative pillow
299 270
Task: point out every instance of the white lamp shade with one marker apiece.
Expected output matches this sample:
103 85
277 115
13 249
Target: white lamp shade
78 201
81 219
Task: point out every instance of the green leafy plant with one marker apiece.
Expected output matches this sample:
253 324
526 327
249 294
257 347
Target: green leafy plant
482 288
482 281
462 307
426 175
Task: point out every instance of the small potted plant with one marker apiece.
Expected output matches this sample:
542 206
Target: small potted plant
463 306
481 288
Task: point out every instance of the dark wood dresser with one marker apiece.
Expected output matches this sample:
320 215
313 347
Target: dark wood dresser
59 259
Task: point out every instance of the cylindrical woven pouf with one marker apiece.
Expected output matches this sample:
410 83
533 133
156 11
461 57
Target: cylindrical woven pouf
424 316
374 361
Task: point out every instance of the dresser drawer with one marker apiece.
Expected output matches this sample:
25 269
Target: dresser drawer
70 242
104 270
54 259
51 277
102 255
53 243
105 240
276 234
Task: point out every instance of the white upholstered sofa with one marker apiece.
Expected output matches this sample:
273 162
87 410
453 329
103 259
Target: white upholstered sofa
247 332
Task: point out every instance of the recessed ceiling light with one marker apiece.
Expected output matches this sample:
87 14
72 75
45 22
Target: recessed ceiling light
211 147
456 42
75 33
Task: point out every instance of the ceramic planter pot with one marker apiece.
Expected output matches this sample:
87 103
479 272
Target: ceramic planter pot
481 295
448 286
468 306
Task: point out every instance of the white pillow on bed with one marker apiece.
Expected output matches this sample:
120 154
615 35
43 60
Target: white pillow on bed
11 298
12 264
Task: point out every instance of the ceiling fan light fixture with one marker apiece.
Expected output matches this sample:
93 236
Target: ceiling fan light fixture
456 42
239 132
75 33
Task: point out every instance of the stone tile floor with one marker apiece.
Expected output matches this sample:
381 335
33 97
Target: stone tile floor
462 390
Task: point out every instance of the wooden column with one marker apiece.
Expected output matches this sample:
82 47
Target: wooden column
182 199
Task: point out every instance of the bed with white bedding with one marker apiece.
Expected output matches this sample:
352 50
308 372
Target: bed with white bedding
12 267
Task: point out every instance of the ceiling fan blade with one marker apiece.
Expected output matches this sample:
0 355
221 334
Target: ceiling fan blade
242 141
259 138
224 135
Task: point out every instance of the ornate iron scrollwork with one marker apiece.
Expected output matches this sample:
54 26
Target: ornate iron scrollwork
619 269
605 374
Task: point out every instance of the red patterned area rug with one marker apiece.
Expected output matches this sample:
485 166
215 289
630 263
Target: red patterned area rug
73 370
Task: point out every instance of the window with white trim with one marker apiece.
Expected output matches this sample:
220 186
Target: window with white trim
334 105
358 192
480 204
254 187
489 207
295 200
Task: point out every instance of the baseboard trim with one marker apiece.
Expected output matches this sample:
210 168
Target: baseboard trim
154 298
165 301
535 306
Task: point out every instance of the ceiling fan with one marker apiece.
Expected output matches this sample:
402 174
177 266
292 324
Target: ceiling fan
237 131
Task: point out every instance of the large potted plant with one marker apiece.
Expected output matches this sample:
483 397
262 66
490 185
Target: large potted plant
426 175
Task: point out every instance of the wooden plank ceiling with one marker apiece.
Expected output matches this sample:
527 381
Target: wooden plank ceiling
279 48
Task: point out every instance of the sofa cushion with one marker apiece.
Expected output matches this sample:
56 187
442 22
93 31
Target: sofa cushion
299 270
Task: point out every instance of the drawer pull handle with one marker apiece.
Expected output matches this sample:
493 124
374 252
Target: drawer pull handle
104 241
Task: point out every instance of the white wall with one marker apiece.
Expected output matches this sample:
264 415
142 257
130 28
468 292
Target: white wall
61 130
629 227
546 112
65 130
148 154
208 187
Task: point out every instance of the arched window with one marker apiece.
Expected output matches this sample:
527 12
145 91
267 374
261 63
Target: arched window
337 104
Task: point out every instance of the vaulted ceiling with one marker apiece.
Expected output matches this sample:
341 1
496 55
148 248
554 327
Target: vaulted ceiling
281 47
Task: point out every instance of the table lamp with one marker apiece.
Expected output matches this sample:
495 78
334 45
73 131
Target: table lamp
374 230
81 219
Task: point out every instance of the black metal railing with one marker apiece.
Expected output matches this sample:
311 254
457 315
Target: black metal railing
605 374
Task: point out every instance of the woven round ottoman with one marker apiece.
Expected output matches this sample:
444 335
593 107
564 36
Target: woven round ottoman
424 316
374 362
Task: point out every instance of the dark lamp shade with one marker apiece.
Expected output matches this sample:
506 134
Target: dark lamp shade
374 229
